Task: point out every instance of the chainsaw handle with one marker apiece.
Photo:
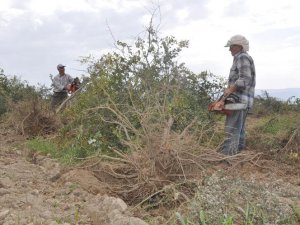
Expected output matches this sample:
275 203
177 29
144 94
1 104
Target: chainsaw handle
222 98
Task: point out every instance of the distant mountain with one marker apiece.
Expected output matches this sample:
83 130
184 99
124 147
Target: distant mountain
281 94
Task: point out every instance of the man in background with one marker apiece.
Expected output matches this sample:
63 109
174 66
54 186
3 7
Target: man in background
61 83
241 82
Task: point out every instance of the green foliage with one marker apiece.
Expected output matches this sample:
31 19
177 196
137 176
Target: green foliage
139 86
250 217
295 102
296 211
272 132
3 108
43 145
68 153
77 148
202 218
13 90
277 124
280 123
226 220
266 105
182 220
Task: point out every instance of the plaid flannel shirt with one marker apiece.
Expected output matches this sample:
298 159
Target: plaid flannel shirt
242 75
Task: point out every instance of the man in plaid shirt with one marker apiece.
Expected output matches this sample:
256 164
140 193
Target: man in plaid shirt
241 82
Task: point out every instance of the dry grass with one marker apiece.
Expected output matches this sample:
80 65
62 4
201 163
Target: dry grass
277 136
33 118
163 170
292 146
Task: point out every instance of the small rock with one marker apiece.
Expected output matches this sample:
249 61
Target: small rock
46 214
66 207
35 192
110 211
77 193
3 214
7 182
2 185
40 158
9 222
3 191
24 184
55 176
53 223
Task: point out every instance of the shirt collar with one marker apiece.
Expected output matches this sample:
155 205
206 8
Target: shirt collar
237 54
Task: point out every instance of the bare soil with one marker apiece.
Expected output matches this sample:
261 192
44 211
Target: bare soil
36 189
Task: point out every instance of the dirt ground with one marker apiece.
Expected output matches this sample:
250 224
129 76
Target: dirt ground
35 189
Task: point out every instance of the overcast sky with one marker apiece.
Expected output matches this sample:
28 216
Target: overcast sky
36 35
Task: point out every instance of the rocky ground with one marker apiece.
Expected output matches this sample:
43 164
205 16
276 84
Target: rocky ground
35 189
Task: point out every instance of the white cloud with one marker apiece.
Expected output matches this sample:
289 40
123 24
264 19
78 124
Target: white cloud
36 35
48 8
182 14
7 16
5 5
272 28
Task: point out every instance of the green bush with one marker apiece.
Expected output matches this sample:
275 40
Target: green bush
13 90
272 133
266 105
138 88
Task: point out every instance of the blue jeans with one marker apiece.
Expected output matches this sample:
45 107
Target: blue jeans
234 133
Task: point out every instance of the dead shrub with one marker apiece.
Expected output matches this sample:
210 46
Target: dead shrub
33 118
292 144
162 169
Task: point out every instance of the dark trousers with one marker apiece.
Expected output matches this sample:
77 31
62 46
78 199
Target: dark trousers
57 99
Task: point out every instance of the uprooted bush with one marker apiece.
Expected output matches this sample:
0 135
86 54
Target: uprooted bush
162 167
148 114
32 118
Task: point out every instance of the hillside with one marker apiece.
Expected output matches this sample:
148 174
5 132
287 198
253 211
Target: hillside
281 94
137 143
37 189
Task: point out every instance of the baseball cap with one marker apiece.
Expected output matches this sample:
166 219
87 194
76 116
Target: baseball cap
60 66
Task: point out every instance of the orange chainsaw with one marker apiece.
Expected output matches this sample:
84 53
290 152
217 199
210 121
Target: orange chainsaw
75 85
226 105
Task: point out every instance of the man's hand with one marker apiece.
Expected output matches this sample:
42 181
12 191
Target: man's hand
219 106
68 87
216 106
229 90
